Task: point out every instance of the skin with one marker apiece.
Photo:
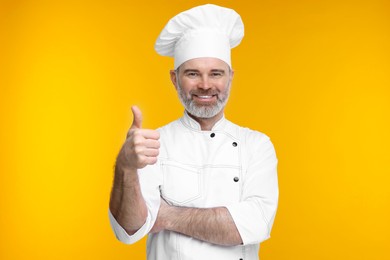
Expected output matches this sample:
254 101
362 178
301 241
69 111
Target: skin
202 80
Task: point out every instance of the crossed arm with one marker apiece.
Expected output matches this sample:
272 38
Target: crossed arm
213 225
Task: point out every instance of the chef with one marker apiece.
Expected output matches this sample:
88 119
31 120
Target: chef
200 187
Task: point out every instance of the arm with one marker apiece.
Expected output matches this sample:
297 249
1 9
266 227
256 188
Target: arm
255 213
127 205
213 225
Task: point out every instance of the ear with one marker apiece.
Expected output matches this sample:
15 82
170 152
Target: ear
173 77
231 74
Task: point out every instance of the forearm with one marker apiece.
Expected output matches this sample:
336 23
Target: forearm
140 149
127 204
213 225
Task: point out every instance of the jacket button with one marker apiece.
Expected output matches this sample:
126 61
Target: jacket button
234 144
212 135
236 179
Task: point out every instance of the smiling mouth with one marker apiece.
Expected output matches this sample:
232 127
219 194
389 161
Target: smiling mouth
205 97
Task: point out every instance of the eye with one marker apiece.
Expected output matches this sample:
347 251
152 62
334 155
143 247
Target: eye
216 74
192 74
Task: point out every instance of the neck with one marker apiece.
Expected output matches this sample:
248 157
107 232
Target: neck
206 124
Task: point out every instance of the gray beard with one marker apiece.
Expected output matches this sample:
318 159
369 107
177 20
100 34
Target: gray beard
203 111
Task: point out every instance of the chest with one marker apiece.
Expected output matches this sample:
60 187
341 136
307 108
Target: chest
202 169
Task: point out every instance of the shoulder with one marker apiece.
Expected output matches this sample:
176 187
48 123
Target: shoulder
254 135
248 135
255 143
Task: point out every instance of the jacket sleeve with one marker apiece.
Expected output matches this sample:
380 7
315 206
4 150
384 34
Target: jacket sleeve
255 213
149 178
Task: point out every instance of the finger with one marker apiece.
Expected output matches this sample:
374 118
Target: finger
149 160
137 117
150 134
151 143
144 133
151 152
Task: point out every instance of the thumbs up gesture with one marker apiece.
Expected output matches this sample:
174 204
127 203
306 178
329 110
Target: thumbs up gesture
141 147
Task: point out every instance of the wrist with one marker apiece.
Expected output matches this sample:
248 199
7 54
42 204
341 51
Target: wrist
124 161
126 176
169 216
175 218
124 167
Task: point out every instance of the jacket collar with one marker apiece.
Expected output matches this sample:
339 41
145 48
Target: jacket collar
194 125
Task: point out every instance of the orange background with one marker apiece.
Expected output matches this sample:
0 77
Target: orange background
313 75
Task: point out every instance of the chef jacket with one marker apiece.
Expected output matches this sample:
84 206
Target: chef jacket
229 166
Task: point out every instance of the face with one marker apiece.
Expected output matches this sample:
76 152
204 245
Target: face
203 86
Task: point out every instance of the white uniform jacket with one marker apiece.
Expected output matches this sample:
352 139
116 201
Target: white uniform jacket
229 166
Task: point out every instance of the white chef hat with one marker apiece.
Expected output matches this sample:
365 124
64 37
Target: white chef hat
203 31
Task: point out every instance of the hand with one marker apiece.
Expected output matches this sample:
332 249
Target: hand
141 147
162 217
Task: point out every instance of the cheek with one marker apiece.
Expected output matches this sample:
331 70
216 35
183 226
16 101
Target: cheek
183 91
186 86
224 87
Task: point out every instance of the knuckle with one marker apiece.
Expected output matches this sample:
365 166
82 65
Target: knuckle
137 134
140 164
138 150
142 161
137 141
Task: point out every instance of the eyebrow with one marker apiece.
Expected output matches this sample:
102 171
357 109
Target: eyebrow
213 70
218 70
190 70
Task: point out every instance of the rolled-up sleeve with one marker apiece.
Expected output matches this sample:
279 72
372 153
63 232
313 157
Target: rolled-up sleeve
255 213
150 180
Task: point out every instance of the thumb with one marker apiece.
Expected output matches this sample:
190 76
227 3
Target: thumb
137 117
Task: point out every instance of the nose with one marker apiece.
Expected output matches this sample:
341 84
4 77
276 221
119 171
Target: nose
204 83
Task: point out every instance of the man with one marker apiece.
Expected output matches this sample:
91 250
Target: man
201 187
